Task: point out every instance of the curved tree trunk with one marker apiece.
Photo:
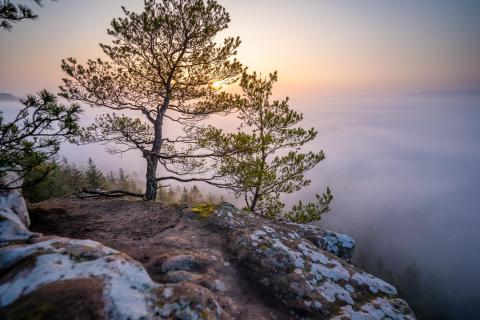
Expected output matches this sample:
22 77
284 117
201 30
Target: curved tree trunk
153 157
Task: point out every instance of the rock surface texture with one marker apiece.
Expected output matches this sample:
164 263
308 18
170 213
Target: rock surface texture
225 264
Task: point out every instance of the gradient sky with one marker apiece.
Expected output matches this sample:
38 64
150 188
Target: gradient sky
319 47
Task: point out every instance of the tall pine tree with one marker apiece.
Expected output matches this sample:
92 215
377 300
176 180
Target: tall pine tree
163 63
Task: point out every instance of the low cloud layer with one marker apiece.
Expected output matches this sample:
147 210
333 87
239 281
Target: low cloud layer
405 174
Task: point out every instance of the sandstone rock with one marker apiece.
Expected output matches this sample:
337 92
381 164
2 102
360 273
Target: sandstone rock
12 228
11 199
48 274
127 290
221 265
14 219
182 262
180 276
305 272
188 301
340 245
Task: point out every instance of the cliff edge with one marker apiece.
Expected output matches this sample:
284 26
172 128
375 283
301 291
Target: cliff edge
203 262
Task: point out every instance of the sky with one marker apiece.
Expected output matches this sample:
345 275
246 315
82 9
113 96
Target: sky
318 47
406 167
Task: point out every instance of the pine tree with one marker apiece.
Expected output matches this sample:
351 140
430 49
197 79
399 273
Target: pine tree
185 198
164 64
195 194
77 178
63 179
162 195
111 180
12 12
33 137
312 211
93 177
269 162
73 177
124 182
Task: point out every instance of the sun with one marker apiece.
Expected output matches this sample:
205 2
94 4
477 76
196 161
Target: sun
217 85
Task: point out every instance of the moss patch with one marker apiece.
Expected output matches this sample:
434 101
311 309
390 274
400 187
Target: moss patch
264 247
204 210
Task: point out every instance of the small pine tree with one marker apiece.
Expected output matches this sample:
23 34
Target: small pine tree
162 195
211 198
172 195
313 211
268 162
94 177
63 178
185 197
111 180
76 177
195 194
124 182
34 137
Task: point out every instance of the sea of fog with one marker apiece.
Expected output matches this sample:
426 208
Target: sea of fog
405 173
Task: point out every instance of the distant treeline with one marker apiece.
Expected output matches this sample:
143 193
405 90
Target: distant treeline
63 178
174 195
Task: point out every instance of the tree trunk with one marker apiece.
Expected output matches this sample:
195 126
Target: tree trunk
151 177
152 158
254 203
262 168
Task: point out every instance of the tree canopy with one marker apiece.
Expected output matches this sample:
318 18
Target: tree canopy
163 64
12 12
33 137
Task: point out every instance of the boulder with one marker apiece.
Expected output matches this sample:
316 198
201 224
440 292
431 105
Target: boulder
14 219
11 199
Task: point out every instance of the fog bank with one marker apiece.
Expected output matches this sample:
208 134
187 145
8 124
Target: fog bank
404 171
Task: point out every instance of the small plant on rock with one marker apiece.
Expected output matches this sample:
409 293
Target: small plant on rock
313 211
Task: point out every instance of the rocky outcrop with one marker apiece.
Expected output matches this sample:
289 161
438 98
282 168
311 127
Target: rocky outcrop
61 278
300 266
14 219
220 264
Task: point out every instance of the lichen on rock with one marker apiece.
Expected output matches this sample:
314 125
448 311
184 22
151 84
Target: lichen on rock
35 270
304 267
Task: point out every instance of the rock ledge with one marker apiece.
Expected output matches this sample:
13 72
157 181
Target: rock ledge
300 271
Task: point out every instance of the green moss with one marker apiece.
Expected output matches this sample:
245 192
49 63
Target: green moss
264 247
204 210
